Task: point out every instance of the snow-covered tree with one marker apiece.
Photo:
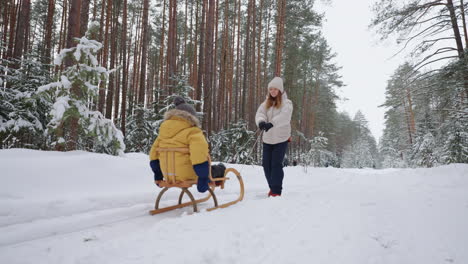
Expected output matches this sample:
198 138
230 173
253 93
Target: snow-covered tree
424 151
23 111
234 144
95 132
317 154
455 149
141 135
363 151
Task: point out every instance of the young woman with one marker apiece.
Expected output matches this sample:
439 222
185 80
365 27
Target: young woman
274 118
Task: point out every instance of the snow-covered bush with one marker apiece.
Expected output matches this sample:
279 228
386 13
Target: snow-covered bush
234 144
317 155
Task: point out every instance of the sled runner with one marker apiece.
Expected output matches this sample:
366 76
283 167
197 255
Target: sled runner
170 182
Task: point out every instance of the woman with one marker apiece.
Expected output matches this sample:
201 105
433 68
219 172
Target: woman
274 117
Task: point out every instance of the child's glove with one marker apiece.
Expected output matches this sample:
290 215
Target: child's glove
158 182
158 176
202 172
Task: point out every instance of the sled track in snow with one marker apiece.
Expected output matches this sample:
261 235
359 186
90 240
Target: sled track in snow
63 225
21 233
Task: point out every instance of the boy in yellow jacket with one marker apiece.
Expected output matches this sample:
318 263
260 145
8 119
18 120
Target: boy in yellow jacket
181 129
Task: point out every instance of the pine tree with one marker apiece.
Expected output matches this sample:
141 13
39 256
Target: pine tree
95 132
317 154
23 111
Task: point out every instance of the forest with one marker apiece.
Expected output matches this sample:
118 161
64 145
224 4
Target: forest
99 75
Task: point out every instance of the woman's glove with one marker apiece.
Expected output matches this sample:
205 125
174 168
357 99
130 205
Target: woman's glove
261 125
268 126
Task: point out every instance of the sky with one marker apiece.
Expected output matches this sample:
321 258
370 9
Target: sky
366 62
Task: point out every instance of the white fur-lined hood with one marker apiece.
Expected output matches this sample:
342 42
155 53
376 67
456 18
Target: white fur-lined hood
193 120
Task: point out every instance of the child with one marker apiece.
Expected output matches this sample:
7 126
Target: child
181 129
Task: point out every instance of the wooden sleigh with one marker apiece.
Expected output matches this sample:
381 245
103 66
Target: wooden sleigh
170 182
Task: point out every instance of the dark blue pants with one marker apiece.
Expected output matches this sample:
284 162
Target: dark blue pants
273 156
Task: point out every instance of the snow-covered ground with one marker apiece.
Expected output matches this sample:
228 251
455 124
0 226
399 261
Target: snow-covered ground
86 208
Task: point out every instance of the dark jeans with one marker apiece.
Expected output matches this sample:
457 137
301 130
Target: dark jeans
273 156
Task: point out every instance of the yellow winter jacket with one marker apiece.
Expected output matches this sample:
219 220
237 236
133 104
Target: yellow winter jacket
180 129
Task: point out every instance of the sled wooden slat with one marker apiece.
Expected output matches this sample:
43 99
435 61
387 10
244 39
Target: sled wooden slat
177 206
170 182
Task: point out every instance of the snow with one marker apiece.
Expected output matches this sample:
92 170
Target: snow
59 108
80 207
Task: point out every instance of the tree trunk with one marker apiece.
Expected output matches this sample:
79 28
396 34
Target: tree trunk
461 52
244 104
313 114
259 56
171 66
136 60
252 70
214 69
208 74
456 29
5 20
193 49
105 52
194 45
101 30
141 94
63 32
201 57
237 86
462 11
184 57
280 36
73 32
12 35
113 43
161 49
48 31
230 73
21 31
408 125
223 68
411 113
84 17
265 51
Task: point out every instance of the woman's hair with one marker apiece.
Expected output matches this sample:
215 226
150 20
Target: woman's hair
274 101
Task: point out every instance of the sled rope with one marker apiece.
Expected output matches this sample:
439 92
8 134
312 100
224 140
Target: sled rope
251 150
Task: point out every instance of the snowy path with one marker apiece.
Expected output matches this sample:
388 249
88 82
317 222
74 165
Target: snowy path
86 208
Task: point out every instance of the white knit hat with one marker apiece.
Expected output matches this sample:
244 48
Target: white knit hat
277 83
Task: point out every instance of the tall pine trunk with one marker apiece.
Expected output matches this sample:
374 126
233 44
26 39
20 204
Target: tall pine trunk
22 30
280 36
84 17
123 110
73 32
201 56
48 31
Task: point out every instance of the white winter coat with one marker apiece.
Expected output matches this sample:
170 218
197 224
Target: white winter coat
279 117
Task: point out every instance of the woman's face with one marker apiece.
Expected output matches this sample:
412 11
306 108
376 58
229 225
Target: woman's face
274 92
